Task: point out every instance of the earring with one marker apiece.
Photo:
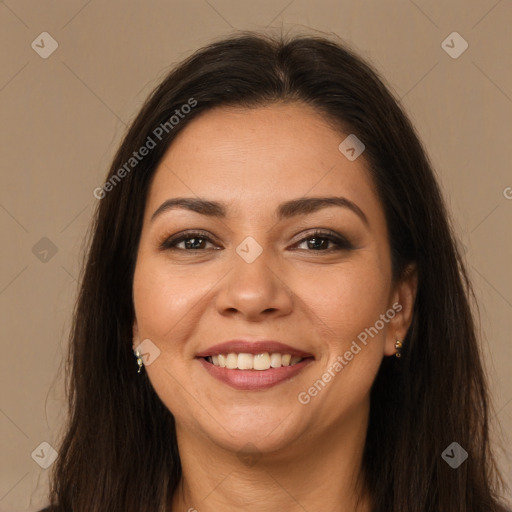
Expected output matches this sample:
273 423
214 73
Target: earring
139 360
398 346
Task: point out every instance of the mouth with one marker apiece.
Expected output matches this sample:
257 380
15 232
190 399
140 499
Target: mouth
271 352
259 362
253 366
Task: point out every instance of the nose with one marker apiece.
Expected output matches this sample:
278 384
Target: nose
254 290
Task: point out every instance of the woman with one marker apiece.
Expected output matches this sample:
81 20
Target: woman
274 313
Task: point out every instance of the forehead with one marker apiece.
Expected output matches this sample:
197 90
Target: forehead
256 157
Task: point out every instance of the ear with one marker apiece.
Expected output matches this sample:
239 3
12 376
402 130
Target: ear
402 300
136 339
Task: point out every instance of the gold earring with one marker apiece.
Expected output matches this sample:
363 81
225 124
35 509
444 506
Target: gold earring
398 347
139 360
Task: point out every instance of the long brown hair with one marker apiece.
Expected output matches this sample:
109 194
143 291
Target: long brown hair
119 451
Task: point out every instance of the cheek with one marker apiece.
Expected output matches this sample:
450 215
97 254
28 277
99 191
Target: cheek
347 299
349 305
164 298
164 305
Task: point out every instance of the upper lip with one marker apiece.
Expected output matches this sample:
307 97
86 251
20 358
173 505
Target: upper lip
252 347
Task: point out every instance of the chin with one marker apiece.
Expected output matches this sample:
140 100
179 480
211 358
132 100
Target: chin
257 430
253 441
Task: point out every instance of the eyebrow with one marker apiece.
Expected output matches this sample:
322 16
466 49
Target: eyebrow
288 209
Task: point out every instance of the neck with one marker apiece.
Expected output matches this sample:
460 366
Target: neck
312 473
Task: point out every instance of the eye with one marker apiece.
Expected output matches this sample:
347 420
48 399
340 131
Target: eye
196 241
193 240
321 240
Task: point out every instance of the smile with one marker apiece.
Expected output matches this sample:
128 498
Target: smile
245 361
250 372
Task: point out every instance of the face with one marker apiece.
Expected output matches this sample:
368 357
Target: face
266 262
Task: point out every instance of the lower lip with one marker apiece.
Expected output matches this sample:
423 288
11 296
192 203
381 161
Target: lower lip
254 379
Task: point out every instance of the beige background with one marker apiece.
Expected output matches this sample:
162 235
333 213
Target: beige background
62 118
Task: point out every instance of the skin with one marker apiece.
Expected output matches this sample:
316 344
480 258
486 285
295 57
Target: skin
305 457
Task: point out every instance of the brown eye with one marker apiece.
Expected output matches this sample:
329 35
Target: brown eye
193 241
317 241
321 240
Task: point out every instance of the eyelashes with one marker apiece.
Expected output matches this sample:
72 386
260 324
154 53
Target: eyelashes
171 242
340 242
322 239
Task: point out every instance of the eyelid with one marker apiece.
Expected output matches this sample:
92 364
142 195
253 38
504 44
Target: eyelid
324 232
341 242
164 242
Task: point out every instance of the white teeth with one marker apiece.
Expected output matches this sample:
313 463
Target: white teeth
275 360
232 361
262 361
245 361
